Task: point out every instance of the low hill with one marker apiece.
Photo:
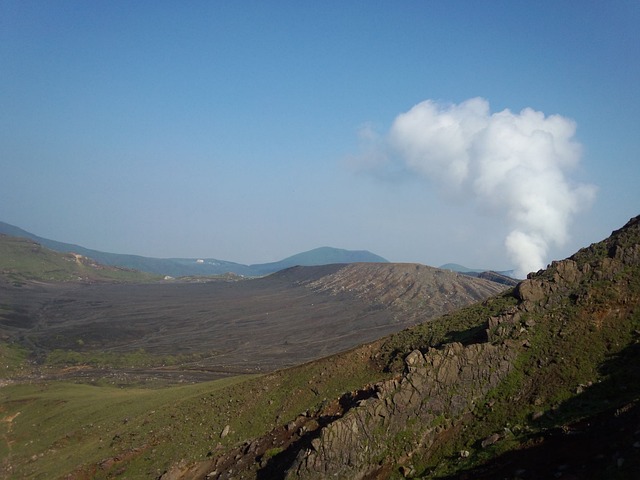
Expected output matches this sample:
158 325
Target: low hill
24 260
455 267
506 275
320 256
416 292
498 278
178 267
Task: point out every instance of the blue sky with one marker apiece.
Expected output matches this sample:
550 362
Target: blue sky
249 131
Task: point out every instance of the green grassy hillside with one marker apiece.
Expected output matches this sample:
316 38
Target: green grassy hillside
50 430
22 259
53 429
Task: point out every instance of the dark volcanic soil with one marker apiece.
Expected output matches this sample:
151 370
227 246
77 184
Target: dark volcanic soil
246 326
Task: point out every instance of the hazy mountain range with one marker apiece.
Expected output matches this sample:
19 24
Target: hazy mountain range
177 267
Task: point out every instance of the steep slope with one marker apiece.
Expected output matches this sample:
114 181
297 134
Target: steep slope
534 367
560 354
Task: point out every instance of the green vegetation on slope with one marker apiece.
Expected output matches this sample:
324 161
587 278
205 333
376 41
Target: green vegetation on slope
580 358
51 429
562 348
22 259
13 360
108 432
138 359
467 325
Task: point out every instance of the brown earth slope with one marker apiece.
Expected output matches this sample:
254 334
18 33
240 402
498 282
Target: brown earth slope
415 292
253 325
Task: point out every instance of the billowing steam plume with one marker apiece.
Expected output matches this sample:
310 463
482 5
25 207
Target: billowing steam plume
514 165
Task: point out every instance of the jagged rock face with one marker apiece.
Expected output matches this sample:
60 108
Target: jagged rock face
407 414
543 289
439 387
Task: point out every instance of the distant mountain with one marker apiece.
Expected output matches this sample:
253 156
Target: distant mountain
496 277
455 267
320 256
474 272
178 267
169 266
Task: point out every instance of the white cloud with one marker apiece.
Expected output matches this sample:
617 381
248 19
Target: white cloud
436 141
514 165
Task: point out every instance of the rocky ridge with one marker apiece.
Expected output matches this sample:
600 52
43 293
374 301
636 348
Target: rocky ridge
547 359
407 413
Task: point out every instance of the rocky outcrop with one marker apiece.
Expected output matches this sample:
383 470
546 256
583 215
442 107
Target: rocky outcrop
407 414
440 386
603 261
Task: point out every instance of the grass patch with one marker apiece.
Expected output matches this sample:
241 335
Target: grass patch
13 360
272 452
110 432
49 430
138 359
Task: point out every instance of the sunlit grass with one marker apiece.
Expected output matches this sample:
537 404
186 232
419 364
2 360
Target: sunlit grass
51 429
